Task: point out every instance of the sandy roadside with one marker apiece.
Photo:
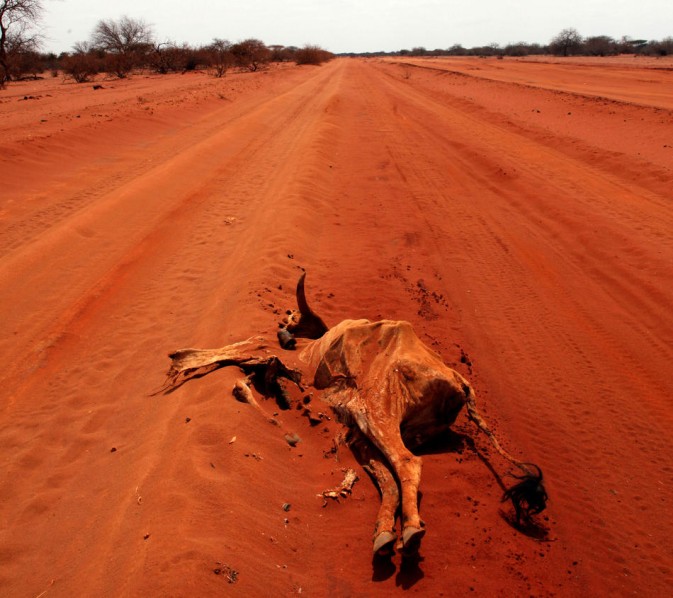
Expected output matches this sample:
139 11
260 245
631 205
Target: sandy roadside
520 224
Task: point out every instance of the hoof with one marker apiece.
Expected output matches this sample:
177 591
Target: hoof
384 544
411 539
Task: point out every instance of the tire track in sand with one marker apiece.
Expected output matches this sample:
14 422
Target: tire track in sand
556 272
105 309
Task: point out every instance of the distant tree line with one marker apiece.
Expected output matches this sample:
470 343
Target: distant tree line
566 43
117 47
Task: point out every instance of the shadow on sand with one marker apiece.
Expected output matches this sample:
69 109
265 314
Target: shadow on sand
409 574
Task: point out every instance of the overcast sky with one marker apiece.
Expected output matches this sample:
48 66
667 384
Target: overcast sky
363 26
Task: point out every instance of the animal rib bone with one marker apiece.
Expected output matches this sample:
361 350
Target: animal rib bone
344 489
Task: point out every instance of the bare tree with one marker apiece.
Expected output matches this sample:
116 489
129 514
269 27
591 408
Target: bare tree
567 42
127 41
123 35
220 56
18 19
166 57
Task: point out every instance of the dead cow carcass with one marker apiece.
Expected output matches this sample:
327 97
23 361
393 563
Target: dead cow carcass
387 386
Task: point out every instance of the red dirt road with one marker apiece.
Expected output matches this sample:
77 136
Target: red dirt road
523 227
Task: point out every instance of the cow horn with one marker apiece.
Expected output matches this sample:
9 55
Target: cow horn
302 304
311 325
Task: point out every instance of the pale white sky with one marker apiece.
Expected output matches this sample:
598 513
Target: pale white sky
363 26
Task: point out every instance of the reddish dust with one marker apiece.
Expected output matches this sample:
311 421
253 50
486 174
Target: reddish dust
517 213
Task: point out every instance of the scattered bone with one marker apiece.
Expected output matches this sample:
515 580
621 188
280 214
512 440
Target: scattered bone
344 489
243 393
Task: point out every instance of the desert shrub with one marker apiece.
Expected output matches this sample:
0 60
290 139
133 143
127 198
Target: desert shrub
81 66
118 65
168 57
519 49
456 50
485 51
660 48
600 45
84 62
251 54
195 59
312 55
50 63
26 65
282 53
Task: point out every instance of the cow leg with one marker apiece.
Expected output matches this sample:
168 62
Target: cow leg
373 462
407 467
384 530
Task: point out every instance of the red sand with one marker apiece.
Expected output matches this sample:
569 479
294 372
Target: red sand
496 205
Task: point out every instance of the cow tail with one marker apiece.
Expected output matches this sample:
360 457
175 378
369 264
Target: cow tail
476 418
528 495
